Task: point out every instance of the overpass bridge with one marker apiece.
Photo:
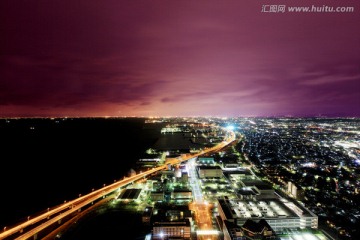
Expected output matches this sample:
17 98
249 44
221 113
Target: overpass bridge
31 228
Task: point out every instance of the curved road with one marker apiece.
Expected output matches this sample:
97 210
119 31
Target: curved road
70 207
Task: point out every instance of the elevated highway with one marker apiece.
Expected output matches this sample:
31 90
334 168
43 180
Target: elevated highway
30 228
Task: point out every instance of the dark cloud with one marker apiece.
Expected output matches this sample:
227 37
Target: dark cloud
58 82
177 58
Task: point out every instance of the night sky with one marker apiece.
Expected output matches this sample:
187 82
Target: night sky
178 58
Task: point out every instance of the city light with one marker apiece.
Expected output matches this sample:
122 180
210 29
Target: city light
230 127
207 232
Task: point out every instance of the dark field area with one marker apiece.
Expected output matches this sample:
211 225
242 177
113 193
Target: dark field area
47 161
110 224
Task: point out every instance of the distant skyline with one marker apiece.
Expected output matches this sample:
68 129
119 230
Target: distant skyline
178 58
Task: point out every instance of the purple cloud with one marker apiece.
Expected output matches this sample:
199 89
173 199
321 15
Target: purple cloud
177 58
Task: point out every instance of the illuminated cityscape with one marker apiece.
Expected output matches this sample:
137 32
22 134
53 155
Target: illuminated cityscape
228 178
180 119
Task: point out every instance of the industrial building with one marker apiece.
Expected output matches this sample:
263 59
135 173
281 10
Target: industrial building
209 171
171 230
279 213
